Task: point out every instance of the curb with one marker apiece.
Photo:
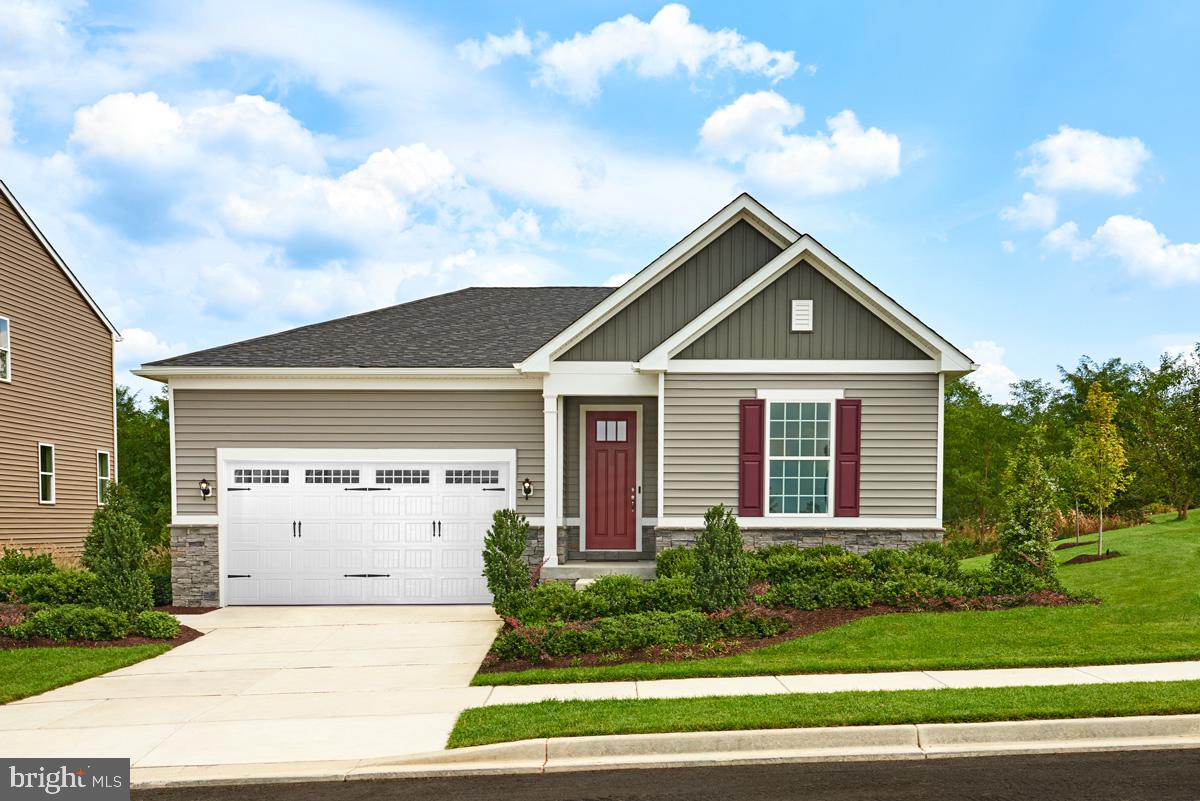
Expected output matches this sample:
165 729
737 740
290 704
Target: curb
696 749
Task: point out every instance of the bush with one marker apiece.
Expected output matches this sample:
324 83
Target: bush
795 594
504 564
675 562
722 568
670 594
160 589
115 552
157 625
158 566
62 587
1025 530
847 594
71 622
14 561
608 596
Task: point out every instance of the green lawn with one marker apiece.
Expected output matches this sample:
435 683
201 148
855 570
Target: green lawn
493 724
1150 613
29 671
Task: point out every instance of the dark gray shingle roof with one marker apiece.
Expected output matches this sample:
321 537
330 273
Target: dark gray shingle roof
475 327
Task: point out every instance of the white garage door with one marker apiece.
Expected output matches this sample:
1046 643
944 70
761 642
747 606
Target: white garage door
339 532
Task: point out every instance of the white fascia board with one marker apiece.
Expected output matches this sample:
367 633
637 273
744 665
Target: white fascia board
438 455
503 379
742 207
630 384
802 366
801 394
823 523
58 260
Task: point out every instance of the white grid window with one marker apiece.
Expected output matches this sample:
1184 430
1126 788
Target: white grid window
611 430
103 474
45 473
5 351
330 476
261 475
799 452
402 476
472 476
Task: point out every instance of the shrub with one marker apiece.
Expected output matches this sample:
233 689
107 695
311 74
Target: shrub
674 562
157 625
546 602
670 594
63 587
914 588
722 568
504 564
1026 527
158 566
160 589
115 552
72 622
14 561
612 595
795 594
847 593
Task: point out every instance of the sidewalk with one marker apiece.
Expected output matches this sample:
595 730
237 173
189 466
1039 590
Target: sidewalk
839 682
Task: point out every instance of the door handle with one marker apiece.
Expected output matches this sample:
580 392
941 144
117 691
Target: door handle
633 498
432 528
439 529
293 528
300 529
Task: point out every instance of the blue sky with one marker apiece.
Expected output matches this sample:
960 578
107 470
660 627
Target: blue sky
1020 176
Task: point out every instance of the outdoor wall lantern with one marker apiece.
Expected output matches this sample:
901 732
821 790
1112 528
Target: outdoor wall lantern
205 489
527 488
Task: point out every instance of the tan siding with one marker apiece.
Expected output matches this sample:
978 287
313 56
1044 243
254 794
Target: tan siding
899 439
209 419
571 488
61 393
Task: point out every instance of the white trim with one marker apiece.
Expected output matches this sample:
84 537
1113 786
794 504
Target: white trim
551 477
741 207
829 396
941 439
174 464
53 473
7 377
62 265
348 378
116 471
562 491
662 441
802 366
99 477
813 523
196 520
801 395
624 382
641 476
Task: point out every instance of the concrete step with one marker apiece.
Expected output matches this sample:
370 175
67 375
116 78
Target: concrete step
574 571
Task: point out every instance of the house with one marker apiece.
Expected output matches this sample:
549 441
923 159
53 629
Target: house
360 460
57 402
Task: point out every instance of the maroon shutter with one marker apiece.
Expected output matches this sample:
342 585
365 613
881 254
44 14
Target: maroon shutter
847 458
751 440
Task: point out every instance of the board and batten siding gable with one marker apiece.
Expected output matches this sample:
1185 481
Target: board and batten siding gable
427 419
843 328
678 298
571 449
899 439
61 393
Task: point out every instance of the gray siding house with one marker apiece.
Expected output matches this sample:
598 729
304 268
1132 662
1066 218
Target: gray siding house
360 460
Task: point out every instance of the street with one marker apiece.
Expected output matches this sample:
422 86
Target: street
1151 775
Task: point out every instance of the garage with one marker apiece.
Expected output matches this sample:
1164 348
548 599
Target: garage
395 527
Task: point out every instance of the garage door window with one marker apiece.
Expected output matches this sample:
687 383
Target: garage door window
401 476
256 475
330 476
472 476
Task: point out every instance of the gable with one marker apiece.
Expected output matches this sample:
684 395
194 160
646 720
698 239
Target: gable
678 298
843 328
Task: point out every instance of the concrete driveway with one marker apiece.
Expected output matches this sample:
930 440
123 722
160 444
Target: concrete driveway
269 685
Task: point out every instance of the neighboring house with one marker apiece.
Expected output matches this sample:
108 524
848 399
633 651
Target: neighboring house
57 412
360 460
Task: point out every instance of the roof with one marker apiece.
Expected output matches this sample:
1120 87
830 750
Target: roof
474 327
57 259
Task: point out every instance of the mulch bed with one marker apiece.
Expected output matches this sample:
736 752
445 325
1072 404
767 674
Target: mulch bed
1072 544
1084 558
15 613
186 610
801 624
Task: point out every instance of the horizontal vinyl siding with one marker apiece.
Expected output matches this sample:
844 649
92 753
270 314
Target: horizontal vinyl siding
899 439
649 445
61 394
209 419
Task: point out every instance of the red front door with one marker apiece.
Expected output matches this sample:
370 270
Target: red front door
612 481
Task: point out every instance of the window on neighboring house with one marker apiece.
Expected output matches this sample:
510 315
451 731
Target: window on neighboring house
45 473
5 351
103 475
798 457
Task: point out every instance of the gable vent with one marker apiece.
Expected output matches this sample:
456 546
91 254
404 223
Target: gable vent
802 315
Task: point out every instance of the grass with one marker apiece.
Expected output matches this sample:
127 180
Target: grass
1150 613
29 671
506 723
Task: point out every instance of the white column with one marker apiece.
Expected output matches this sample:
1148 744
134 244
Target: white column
551 479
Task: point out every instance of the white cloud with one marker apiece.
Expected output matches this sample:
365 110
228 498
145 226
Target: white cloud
753 130
666 44
128 126
1075 159
1145 251
1035 211
1066 238
494 49
138 345
1008 246
993 376
617 279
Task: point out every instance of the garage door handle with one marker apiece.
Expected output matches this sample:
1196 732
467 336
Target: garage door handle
494 489
237 489
366 575
237 575
300 529
293 528
439 529
368 489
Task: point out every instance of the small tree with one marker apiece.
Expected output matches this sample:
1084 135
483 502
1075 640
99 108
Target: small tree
115 552
1099 454
1025 531
722 569
504 564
